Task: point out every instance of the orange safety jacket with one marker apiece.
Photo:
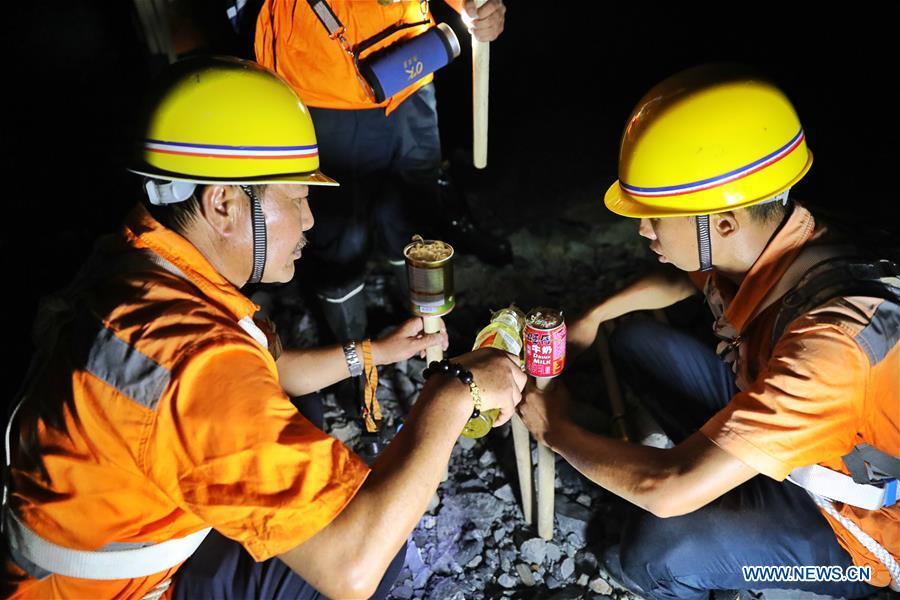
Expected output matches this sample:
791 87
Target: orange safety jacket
173 420
831 381
291 41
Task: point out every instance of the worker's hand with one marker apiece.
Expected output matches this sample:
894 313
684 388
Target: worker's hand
543 412
485 23
409 339
499 378
581 333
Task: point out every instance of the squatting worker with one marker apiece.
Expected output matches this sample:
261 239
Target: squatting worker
805 381
155 411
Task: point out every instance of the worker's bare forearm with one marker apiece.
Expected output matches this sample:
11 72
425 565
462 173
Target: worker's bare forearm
303 371
364 538
633 472
666 482
658 289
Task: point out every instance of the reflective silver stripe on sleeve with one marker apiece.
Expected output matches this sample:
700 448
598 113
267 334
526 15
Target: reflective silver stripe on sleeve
882 333
131 372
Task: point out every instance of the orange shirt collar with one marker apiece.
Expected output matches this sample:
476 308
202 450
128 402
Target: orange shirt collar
768 269
143 231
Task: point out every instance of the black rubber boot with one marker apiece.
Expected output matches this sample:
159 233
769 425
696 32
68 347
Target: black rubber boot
345 313
399 286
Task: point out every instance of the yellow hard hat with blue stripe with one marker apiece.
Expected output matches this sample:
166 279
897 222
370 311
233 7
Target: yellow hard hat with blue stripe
226 120
707 140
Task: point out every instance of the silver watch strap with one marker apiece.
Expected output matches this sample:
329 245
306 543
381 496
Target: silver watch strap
351 354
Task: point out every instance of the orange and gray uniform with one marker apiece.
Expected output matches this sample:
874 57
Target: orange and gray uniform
174 421
291 41
831 381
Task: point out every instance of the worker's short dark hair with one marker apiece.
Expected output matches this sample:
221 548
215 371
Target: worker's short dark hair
767 212
178 216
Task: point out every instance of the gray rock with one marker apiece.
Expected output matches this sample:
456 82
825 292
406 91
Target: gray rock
487 458
474 562
403 592
481 508
346 431
505 564
572 518
506 581
584 500
450 589
500 534
533 551
421 580
552 582
474 483
446 565
414 561
583 580
468 551
505 493
428 522
552 552
466 443
567 568
601 586
525 574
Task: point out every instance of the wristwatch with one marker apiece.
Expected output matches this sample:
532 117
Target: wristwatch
354 365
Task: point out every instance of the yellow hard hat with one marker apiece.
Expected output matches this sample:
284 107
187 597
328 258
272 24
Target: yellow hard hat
226 120
707 140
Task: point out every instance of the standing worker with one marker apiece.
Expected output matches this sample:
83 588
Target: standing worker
386 153
156 410
804 384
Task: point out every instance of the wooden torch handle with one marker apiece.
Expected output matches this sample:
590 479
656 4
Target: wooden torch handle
522 447
433 353
481 61
546 476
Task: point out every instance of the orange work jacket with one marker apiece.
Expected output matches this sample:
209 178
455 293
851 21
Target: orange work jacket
172 418
291 41
820 389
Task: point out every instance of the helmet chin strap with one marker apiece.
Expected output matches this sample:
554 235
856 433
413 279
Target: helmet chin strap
258 220
704 246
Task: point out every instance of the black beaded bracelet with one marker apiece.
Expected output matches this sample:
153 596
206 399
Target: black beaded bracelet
445 367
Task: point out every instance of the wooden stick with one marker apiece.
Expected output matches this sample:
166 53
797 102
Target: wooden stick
611 381
522 446
432 354
481 57
546 476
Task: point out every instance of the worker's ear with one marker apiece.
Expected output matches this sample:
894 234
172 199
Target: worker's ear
725 224
221 206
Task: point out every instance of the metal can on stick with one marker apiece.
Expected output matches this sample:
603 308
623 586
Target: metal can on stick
429 270
545 343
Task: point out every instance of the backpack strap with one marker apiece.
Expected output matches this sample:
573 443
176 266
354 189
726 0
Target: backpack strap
834 278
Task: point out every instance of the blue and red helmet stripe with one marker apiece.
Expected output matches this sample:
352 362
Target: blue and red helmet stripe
712 182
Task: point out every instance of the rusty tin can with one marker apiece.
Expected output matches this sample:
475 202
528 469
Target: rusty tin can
545 342
430 278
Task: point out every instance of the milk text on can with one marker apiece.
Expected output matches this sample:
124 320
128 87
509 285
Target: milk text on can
429 269
545 342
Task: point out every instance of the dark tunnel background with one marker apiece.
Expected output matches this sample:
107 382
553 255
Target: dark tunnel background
564 77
